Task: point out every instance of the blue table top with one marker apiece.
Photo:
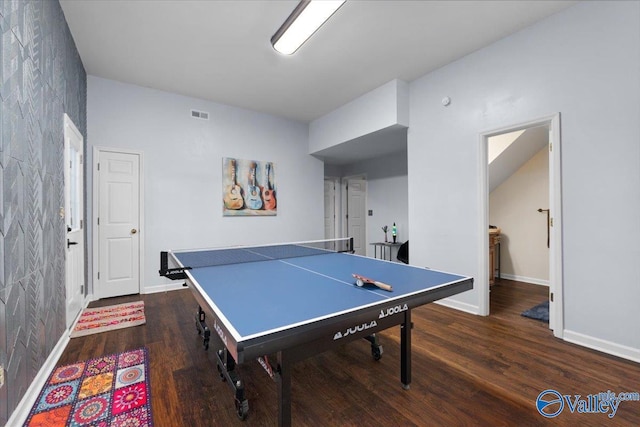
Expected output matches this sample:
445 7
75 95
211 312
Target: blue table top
265 296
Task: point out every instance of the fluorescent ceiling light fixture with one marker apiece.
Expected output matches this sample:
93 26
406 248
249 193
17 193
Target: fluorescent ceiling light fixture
305 20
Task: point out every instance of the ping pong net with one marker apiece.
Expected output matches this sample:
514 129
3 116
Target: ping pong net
245 254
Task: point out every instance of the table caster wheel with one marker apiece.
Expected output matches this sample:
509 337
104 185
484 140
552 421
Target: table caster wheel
242 409
222 378
376 352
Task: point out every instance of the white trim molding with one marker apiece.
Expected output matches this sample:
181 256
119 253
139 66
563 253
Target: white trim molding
532 280
164 288
462 306
604 346
20 414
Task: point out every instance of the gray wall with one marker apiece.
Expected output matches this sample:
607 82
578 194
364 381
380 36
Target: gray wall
41 78
583 63
183 169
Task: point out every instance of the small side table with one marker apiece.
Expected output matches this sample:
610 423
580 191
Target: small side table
385 248
494 255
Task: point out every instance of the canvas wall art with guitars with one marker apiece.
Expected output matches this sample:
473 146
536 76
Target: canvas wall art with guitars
245 196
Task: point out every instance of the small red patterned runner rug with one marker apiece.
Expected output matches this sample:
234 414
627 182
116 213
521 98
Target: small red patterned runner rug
111 391
101 319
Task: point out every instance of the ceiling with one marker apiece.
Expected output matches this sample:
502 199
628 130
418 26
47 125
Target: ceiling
381 143
220 50
520 147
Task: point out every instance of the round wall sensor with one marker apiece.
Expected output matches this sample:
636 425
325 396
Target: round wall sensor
446 101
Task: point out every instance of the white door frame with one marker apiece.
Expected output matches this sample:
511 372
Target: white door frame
95 210
556 312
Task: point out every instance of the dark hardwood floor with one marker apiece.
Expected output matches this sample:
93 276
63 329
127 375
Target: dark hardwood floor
467 371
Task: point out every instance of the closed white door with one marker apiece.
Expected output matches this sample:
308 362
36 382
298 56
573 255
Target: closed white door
74 219
329 209
118 222
356 214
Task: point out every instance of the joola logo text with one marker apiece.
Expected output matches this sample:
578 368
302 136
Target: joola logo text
220 332
393 310
264 362
355 329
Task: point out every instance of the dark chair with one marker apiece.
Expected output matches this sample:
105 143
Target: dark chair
403 253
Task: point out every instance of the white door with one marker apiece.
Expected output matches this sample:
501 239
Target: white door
74 219
356 214
329 209
118 223
556 322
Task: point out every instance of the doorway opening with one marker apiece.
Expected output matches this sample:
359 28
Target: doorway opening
532 218
354 205
331 204
345 210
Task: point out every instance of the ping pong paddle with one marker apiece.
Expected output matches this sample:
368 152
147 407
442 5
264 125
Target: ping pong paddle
361 281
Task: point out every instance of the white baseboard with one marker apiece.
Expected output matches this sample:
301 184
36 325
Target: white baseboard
597 344
164 288
462 306
604 346
525 279
20 414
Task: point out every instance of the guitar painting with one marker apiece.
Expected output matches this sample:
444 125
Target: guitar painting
233 193
244 190
253 192
268 193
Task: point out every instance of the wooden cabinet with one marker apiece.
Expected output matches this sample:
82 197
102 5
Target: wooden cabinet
494 253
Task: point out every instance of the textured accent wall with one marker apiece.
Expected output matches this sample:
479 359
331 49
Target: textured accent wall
41 78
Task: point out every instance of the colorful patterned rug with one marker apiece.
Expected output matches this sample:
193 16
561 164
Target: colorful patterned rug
101 319
111 391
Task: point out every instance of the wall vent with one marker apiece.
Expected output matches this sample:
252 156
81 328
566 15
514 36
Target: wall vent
200 114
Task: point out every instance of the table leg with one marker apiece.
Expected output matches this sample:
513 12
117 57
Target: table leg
376 348
405 350
202 328
283 380
226 365
227 370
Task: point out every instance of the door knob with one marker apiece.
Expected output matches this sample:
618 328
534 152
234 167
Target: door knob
134 231
70 243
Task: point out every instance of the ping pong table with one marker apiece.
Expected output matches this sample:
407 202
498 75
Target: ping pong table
282 303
